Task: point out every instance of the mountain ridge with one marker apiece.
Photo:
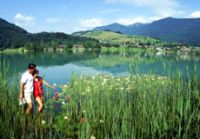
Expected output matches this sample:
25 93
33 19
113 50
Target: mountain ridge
180 30
13 36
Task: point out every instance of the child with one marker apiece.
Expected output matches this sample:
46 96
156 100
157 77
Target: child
38 89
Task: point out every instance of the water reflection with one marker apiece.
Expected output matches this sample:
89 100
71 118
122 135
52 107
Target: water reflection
58 66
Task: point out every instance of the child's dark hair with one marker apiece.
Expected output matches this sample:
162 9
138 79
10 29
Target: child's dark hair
35 72
31 66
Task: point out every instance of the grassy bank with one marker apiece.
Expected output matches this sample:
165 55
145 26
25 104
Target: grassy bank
136 106
14 50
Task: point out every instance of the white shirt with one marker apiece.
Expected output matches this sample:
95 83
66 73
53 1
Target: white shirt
27 79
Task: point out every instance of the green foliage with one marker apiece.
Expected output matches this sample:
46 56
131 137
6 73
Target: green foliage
109 38
12 36
130 107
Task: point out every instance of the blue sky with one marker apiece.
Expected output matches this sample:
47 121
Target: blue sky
75 15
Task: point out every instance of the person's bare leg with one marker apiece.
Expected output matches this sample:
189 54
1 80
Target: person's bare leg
40 104
30 106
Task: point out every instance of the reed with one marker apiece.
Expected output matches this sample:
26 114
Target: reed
136 106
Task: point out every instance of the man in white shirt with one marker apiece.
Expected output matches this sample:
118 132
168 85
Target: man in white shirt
26 86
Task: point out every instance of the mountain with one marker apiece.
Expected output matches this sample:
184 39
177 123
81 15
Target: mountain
12 36
185 31
112 27
116 39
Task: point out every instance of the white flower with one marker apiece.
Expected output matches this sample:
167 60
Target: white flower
92 137
63 103
54 84
101 121
65 86
66 118
84 111
43 122
88 89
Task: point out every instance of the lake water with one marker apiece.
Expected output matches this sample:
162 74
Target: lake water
57 67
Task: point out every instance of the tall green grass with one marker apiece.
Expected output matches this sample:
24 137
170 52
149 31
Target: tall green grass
148 106
14 123
136 106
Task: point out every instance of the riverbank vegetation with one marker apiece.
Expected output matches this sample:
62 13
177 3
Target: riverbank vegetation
134 106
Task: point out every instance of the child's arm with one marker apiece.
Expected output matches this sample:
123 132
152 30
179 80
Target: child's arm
53 87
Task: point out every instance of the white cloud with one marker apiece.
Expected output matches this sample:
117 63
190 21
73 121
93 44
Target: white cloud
52 20
129 21
162 8
24 20
90 23
195 14
86 24
109 11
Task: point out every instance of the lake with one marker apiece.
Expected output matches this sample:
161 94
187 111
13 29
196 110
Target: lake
58 67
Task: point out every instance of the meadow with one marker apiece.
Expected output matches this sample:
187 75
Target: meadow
104 107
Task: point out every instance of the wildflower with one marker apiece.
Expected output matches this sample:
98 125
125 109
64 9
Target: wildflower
63 103
65 86
84 111
101 121
56 95
82 120
88 89
54 84
66 118
43 122
92 137
104 80
159 78
68 98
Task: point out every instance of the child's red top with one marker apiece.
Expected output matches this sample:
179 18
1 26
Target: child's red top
38 89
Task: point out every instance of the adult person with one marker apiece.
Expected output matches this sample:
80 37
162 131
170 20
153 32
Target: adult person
26 86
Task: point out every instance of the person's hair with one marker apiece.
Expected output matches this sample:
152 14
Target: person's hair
35 72
31 66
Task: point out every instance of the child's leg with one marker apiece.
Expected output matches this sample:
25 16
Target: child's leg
40 104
